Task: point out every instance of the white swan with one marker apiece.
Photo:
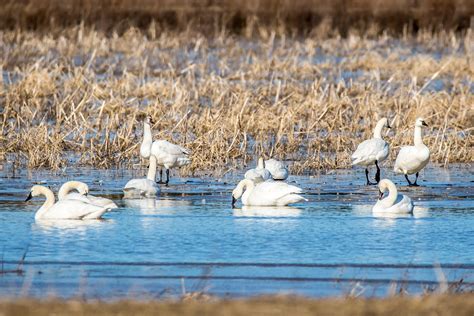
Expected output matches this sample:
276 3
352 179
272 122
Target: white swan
373 150
83 195
394 202
277 169
268 193
411 159
258 174
64 209
138 188
167 155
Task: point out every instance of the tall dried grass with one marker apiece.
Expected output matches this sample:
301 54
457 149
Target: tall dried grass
81 94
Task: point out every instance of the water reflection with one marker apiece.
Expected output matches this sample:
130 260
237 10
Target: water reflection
68 226
154 206
267 211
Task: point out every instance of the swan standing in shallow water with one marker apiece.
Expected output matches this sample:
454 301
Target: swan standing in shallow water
411 159
83 195
394 202
277 169
373 150
268 193
258 174
64 209
138 188
167 155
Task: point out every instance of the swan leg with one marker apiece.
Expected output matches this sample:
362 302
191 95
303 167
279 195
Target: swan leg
377 174
408 180
161 177
167 176
367 177
416 179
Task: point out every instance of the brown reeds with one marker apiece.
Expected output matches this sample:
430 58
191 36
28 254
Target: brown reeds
79 94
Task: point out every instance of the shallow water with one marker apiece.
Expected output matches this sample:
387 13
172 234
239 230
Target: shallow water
190 239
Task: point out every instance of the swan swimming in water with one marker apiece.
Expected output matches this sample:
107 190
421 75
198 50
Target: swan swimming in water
411 159
139 188
258 174
268 193
64 209
168 155
277 169
394 202
83 195
373 150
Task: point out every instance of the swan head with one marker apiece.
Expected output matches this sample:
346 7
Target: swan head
383 187
236 194
36 190
420 122
83 188
149 120
385 122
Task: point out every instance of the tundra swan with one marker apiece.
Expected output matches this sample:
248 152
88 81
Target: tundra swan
372 150
277 169
83 195
258 174
64 209
138 188
168 155
411 159
394 202
268 193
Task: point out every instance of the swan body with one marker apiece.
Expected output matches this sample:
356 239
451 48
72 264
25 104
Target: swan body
139 188
268 193
412 159
64 209
83 195
277 169
372 151
394 203
259 174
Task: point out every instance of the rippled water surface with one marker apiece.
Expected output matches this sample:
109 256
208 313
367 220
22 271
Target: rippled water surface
190 239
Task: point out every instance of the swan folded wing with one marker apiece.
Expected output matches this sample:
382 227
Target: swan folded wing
277 169
100 201
74 209
270 191
169 148
411 159
77 197
370 150
257 175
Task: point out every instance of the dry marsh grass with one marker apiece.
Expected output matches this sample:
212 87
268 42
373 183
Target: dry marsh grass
78 95
458 305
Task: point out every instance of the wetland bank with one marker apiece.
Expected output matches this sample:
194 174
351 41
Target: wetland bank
73 98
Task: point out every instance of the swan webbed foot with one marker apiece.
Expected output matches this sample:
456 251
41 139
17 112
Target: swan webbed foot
414 185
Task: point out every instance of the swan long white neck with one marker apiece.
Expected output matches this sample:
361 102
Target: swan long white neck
378 129
67 187
418 137
261 163
392 193
47 204
151 175
145 147
246 184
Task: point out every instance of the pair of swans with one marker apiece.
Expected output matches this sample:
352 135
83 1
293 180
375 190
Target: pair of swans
168 155
266 170
410 159
77 206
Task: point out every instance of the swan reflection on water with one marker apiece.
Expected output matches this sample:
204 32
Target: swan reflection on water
267 211
151 206
68 226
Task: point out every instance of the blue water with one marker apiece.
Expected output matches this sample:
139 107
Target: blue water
190 239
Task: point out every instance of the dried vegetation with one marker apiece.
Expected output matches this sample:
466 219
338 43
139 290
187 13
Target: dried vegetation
78 94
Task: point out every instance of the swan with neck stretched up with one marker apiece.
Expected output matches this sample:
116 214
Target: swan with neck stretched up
394 202
411 159
139 188
259 173
268 193
277 169
168 155
64 209
83 195
372 151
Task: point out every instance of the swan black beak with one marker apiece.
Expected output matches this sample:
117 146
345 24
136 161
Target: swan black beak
380 195
424 123
233 201
388 126
29 197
